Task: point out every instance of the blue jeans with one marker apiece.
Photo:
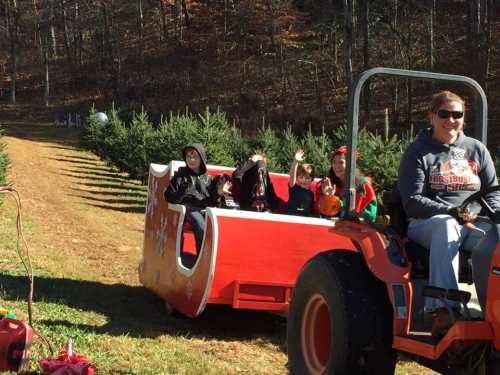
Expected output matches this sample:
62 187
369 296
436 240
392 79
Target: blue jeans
444 236
197 220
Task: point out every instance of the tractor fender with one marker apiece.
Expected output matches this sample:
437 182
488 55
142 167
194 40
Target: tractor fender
372 245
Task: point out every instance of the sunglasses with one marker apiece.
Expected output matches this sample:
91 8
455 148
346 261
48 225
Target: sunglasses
444 114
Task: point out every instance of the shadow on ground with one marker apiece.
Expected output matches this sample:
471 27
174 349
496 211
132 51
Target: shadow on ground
82 172
136 312
89 174
43 132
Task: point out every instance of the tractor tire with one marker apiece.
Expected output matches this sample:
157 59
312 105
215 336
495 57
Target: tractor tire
340 319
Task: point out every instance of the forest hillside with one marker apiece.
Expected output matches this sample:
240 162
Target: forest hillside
284 63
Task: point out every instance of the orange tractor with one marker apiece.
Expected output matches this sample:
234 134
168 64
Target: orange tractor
354 308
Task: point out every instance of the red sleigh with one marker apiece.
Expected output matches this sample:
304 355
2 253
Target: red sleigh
249 260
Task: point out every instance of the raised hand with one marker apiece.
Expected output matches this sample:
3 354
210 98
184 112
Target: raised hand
256 157
226 189
299 156
327 188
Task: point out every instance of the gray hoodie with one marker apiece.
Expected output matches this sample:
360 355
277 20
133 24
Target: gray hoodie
194 189
434 177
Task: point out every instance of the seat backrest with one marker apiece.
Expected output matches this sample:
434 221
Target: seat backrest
279 180
396 211
280 185
416 254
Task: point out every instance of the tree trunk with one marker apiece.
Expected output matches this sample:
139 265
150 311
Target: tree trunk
366 55
46 44
226 19
490 16
335 49
185 12
163 14
272 12
477 17
349 39
395 88
430 41
141 47
12 28
409 82
366 34
66 40
473 32
47 23
13 82
108 45
140 19
77 35
37 24
354 22
47 81
177 19
53 39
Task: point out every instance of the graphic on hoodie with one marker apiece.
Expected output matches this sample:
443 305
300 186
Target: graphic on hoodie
455 174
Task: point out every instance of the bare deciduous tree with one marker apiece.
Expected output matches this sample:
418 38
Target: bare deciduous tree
430 42
12 16
349 38
366 54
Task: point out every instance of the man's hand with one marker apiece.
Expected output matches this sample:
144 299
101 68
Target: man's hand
299 156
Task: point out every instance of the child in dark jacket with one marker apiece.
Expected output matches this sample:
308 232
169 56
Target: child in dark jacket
254 186
193 187
301 198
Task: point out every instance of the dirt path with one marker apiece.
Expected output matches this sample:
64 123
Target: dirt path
82 211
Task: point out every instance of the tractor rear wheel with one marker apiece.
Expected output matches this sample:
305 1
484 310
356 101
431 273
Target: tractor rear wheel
340 319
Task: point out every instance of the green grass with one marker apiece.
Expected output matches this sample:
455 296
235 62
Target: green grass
123 329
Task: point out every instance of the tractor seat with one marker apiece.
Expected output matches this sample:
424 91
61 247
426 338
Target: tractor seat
398 224
418 255
419 259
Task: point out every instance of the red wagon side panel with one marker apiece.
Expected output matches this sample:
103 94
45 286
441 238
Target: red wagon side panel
260 256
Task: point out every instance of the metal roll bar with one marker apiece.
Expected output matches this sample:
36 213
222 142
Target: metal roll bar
481 116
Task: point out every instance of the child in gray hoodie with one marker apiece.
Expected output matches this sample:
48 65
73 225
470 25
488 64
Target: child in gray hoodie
194 188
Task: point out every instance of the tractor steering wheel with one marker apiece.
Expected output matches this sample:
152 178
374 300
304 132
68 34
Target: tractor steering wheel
479 197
